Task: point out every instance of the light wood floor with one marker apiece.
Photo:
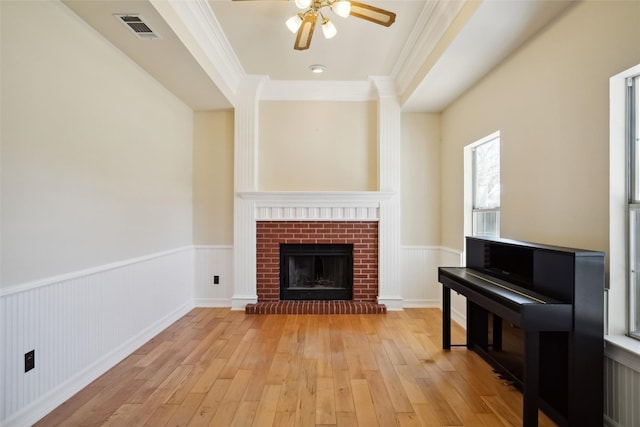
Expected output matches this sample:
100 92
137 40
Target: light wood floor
224 368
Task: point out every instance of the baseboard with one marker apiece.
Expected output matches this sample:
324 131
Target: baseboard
422 303
40 407
212 302
392 303
239 302
459 318
608 422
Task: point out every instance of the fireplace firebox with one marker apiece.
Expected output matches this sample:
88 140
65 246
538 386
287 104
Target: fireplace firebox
316 271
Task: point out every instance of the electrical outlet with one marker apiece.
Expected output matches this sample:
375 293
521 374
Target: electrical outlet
216 280
29 360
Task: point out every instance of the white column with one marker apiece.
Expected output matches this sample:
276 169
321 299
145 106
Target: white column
389 128
245 179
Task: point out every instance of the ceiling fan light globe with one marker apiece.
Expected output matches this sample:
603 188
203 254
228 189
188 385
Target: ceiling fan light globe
341 8
303 4
293 23
328 29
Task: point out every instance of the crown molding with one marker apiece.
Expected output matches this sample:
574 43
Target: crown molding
432 24
304 90
199 30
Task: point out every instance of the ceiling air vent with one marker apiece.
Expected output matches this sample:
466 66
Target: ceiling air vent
136 24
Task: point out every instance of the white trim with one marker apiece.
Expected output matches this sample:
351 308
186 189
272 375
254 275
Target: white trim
316 198
239 302
317 214
198 29
618 317
40 407
451 251
305 90
316 205
624 350
459 318
392 303
87 272
212 246
433 22
212 302
422 303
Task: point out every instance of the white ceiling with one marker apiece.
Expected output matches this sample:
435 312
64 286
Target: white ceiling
433 52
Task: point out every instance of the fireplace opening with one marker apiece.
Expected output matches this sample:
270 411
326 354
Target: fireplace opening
316 271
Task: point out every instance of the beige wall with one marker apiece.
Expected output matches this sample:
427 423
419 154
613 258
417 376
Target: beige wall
96 155
420 179
213 178
550 103
317 146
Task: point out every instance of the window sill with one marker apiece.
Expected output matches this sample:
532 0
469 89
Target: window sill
624 350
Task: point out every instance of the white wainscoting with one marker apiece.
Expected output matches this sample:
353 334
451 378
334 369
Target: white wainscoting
622 383
454 258
212 261
82 324
420 278
420 287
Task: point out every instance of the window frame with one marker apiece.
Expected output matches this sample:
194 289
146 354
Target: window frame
632 125
479 212
618 295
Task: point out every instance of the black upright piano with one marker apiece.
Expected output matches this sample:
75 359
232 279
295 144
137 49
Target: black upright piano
535 313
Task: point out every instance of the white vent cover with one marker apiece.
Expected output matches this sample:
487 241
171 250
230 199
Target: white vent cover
136 24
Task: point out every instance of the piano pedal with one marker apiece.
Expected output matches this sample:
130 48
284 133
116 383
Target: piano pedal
504 378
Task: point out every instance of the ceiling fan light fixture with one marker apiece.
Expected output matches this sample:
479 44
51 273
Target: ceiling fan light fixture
341 8
305 32
328 29
303 4
293 23
372 14
304 23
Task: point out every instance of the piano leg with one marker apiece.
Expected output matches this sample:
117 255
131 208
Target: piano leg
497 332
446 318
530 380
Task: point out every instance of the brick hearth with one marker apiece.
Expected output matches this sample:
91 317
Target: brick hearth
362 234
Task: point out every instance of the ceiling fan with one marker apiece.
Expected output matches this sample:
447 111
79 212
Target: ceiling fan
304 23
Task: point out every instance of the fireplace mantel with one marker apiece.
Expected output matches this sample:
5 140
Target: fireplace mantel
316 198
316 205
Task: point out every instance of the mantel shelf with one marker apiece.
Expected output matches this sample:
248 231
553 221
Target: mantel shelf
317 198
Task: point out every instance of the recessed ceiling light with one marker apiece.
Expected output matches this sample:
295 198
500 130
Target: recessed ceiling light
317 68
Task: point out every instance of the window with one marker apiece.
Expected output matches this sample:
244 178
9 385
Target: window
633 154
485 157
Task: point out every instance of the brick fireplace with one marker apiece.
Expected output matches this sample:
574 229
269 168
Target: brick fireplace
368 220
363 235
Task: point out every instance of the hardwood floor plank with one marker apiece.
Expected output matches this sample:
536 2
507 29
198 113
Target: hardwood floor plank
409 419
285 419
186 410
391 380
245 413
365 412
227 409
347 419
381 399
210 403
438 403
209 376
306 405
342 391
217 367
325 401
161 415
266 411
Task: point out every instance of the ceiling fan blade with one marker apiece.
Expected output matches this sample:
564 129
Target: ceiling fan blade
372 14
305 32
